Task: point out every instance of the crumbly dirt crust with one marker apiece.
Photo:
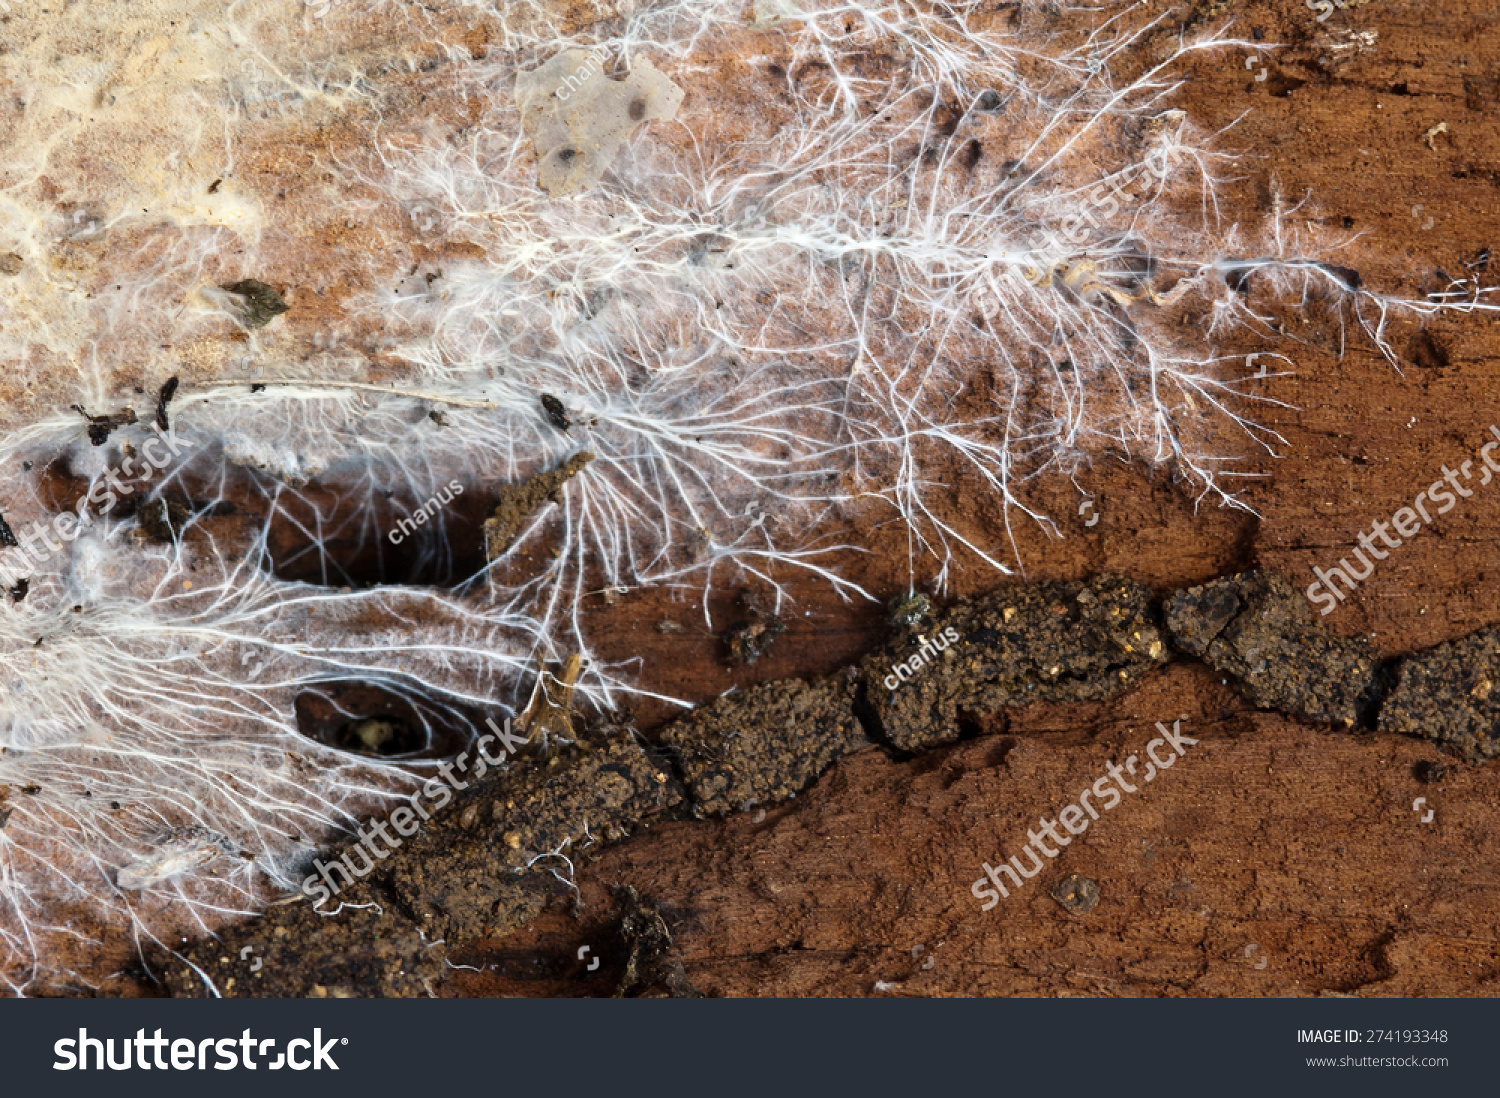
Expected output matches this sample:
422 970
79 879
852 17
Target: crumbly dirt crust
494 860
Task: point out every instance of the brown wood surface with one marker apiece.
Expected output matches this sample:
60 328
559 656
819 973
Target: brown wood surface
1299 840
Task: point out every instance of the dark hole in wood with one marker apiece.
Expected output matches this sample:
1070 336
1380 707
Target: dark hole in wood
347 533
381 722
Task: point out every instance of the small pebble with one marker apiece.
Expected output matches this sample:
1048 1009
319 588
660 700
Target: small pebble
1076 893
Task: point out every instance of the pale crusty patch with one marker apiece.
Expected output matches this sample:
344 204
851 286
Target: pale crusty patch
577 117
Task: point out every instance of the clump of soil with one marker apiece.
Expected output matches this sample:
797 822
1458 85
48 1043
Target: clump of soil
1448 694
537 820
651 962
508 847
1076 893
1070 641
518 502
557 413
748 640
766 743
260 303
908 610
1256 627
101 427
484 864
366 948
